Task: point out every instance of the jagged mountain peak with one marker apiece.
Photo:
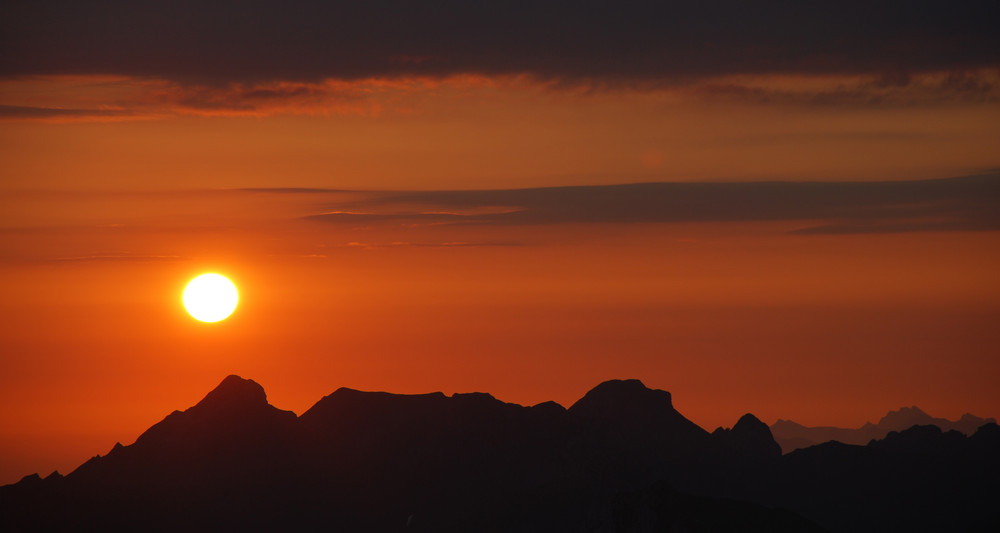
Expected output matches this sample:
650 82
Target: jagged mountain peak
618 397
233 393
904 416
748 437
235 409
749 422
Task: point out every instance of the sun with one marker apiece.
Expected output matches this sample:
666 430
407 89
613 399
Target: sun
210 297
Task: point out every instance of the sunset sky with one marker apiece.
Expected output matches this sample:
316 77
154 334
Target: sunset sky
792 211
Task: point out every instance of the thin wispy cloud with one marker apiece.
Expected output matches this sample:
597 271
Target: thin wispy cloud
16 112
408 244
878 91
117 257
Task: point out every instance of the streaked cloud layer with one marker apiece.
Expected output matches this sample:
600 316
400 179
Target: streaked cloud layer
968 203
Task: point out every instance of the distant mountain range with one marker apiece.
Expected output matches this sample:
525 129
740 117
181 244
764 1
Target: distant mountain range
621 460
791 435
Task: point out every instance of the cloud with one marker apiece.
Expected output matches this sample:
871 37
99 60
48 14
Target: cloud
14 112
292 190
118 257
407 244
929 89
249 41
262 98
900 226
103 98
956 204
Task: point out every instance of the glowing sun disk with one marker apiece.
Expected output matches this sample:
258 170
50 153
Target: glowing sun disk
210 297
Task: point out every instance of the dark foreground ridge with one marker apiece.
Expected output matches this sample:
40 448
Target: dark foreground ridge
621 459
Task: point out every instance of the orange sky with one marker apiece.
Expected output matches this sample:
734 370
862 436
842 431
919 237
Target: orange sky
106 214
510 132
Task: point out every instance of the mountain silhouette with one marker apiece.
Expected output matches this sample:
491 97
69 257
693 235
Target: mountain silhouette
791 435
213 441
621 459
749 438
918 479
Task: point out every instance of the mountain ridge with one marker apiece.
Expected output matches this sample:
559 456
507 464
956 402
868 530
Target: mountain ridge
621 459
792 435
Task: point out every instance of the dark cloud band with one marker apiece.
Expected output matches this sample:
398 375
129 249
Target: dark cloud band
246 40
957 204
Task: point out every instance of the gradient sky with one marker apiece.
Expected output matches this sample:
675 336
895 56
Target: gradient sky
790 210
